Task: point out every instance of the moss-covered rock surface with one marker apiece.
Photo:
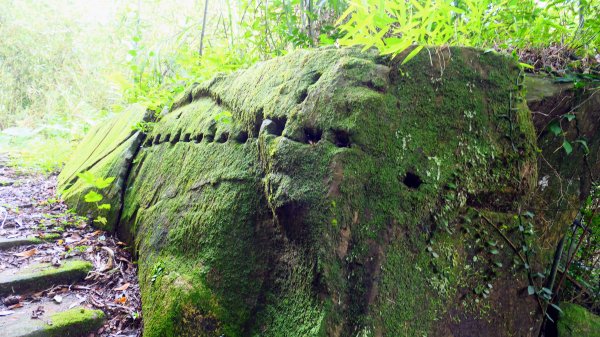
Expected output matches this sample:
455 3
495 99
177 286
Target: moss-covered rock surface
333 192
576 321
106 152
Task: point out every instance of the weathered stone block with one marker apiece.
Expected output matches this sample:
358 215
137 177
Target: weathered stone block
358 209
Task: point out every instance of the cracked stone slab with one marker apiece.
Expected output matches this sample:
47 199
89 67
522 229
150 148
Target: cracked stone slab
42 275
107 151
67 318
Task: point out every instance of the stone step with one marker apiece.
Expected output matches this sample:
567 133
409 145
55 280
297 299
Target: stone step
39 276
66 319
15 242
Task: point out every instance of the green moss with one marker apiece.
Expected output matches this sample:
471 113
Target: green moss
106 151
576 321
74 322
317 226
50 236
43 275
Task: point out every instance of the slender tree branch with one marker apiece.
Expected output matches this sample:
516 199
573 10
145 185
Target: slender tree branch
203 27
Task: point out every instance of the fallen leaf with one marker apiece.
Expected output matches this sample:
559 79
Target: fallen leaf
121 300
73 238
58 299
15 306
123 287
60 242
109 262
27 253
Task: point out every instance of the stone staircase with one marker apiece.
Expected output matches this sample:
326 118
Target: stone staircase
25 312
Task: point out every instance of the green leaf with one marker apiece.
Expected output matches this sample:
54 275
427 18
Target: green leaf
412 54
87 177
92 196
101 220
556 307
567 147
530 290
494 251
584 144
569 117
525 65
555 128
104 206
103 183
223 117
528 214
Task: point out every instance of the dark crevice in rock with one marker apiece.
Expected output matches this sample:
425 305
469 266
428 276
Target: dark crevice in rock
156 140
125 173
176 137
312 135
290 217
315 77
341 138
302 96
148 142
198 138
279 125
209 137
241 137
167 138
412 180
371 85
186 137
223 137
257 122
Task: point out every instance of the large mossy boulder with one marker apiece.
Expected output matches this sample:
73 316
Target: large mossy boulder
333 192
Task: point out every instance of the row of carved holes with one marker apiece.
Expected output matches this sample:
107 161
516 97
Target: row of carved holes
311 136
242 137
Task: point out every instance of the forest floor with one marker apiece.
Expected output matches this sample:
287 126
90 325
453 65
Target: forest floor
29 208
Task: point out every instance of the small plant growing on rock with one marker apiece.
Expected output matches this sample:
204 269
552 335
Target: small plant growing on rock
94 196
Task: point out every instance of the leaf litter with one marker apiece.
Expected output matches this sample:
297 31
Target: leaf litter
29 207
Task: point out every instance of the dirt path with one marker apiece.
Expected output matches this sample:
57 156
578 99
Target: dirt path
52 261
